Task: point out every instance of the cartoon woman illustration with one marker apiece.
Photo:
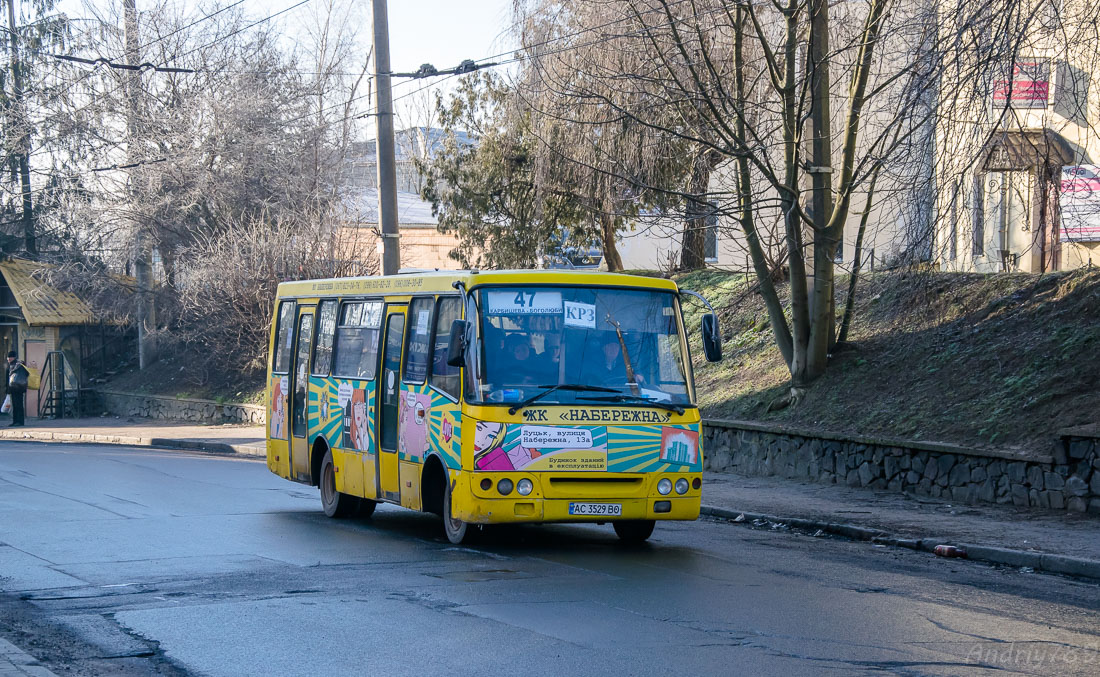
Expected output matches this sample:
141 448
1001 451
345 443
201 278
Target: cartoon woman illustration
412 424
278 410
488 454
356 431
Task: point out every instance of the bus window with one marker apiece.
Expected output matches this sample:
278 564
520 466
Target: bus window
326 328
444 376
419 340
474 352
626 340
284 338
301 380
357 340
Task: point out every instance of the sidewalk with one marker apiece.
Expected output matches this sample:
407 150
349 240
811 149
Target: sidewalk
226 439
1047 540
14 662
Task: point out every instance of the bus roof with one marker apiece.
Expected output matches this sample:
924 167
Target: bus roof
443 280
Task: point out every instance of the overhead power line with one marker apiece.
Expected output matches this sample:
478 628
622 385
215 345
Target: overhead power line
243 28
425 71
429 71
196 21
146 66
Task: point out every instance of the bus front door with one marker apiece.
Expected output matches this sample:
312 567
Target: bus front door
389 483
299 399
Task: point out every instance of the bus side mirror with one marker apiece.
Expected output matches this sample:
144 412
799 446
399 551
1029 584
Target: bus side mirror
712 339
456 351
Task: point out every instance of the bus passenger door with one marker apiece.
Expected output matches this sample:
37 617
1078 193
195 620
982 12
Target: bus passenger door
299 399
389 483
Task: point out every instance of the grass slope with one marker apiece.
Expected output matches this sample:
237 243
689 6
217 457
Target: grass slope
995 360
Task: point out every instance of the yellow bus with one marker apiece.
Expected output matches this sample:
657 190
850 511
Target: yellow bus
489 397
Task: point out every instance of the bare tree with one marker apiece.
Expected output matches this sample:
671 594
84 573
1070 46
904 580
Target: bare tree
802 100
227 138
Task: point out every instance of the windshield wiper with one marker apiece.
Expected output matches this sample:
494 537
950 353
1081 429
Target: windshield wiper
642 399
560 386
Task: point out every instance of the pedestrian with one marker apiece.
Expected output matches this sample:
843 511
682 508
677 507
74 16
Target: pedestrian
18 376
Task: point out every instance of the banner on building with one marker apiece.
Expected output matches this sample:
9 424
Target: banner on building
1080 203
1028 88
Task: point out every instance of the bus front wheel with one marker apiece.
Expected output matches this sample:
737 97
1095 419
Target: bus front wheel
366 508
336 504
456 529
634 531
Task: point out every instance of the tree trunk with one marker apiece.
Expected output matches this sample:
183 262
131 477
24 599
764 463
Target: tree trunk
23 140
853 279
746 215
693 254
610 250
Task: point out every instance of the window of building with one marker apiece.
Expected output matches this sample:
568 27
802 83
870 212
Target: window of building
445 377
356 349
418 347
326 330
284 338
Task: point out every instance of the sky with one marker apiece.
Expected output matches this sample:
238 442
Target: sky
443 33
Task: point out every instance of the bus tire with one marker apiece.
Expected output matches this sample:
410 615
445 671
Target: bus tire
366 508
634 531
336 504
457 531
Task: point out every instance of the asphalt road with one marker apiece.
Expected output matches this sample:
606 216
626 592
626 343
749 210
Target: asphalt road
134 561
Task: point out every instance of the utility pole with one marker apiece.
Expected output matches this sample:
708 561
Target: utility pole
23 145
825 241
387 169
143 249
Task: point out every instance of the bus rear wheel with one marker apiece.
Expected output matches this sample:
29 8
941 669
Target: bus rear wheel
336 504
634 531
457 531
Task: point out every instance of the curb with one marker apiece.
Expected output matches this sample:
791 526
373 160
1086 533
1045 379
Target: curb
20 661
1039 561
131 441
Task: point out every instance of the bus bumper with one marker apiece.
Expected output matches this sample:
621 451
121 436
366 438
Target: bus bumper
477 510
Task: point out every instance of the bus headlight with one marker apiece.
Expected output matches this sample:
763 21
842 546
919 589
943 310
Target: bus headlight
681 486
504 486
664 487
524 487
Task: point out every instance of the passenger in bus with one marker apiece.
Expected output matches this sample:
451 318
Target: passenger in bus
518 367
550 360
610 370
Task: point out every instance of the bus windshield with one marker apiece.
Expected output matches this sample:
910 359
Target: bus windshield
597 345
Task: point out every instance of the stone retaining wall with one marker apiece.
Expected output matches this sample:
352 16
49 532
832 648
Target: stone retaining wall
180 409
1068 479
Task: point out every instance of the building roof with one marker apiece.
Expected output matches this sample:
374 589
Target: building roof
409 143
42 304
411 210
